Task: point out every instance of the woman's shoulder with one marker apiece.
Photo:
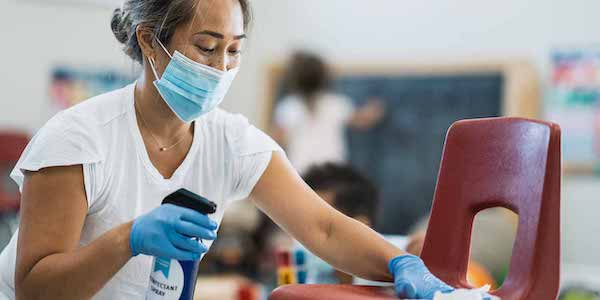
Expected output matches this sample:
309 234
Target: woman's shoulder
224 124
81 129
102 109
79 135
93 120
64 140
236 132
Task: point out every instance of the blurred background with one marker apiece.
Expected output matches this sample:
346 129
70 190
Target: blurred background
381 80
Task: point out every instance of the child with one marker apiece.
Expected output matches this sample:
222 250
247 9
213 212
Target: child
346 189
313 117
357 197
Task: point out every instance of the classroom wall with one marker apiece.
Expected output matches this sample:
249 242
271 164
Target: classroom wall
36 36
346 31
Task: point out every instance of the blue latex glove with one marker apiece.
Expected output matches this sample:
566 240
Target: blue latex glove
168 232
413 280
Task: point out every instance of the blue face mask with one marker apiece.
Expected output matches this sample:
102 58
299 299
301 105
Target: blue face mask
189 88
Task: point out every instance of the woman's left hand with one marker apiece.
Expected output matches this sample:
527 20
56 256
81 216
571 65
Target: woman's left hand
413 280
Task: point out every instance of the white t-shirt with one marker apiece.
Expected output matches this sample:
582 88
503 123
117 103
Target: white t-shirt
226 159
317 136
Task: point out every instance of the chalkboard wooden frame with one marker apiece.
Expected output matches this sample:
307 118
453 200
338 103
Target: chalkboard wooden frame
522 95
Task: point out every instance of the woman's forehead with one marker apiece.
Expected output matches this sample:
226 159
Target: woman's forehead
221 16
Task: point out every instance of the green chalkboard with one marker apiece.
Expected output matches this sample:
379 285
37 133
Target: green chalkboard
402 153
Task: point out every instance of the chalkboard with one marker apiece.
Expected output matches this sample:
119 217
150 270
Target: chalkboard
402 153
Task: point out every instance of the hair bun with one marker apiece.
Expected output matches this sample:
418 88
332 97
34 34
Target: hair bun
119 26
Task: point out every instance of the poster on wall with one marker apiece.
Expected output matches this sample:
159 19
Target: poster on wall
71 85
573 101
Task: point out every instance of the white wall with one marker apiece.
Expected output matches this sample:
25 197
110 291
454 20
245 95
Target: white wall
581 228
361 32
36 36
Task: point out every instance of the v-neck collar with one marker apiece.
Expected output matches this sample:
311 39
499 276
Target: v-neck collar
143 152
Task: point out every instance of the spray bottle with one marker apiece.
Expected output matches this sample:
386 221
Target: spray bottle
172 279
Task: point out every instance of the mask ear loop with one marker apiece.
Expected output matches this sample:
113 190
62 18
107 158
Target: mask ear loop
164 48
152 62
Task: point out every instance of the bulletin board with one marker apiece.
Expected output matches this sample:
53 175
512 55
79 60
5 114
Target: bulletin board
573 101
402 153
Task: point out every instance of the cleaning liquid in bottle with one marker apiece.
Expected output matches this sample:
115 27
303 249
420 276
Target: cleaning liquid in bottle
171 279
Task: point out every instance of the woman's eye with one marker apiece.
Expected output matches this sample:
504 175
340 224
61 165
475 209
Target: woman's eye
235 52
207 50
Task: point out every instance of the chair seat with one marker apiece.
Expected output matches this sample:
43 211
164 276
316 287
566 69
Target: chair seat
332 292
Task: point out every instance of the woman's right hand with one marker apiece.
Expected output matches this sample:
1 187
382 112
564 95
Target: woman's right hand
168 232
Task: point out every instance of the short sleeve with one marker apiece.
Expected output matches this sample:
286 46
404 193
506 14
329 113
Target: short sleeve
60 143
289 112
251 168
251 152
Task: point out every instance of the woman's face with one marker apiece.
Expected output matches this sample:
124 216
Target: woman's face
214 36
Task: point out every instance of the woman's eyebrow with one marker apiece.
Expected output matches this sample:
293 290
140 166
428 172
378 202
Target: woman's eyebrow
220 36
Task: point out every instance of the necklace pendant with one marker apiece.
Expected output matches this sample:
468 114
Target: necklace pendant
163 149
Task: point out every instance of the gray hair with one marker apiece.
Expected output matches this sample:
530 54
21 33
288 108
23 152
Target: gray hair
163 16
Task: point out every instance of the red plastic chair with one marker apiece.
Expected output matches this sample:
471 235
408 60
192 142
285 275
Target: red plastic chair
500 162
12 145
504 162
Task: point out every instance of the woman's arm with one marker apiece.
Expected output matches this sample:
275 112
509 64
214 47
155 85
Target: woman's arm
345 243
50 263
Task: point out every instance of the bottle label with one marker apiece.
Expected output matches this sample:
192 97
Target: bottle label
166 280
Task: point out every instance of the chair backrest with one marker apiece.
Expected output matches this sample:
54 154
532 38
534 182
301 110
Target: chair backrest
12 145
499 162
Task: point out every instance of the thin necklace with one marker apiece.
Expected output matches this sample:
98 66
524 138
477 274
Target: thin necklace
161 148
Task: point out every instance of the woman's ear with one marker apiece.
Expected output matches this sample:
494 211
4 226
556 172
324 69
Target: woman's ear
145 37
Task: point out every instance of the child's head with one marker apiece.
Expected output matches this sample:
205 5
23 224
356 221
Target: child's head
345 189
307 75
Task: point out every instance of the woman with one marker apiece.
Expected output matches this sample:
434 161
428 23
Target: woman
93 177
311 117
